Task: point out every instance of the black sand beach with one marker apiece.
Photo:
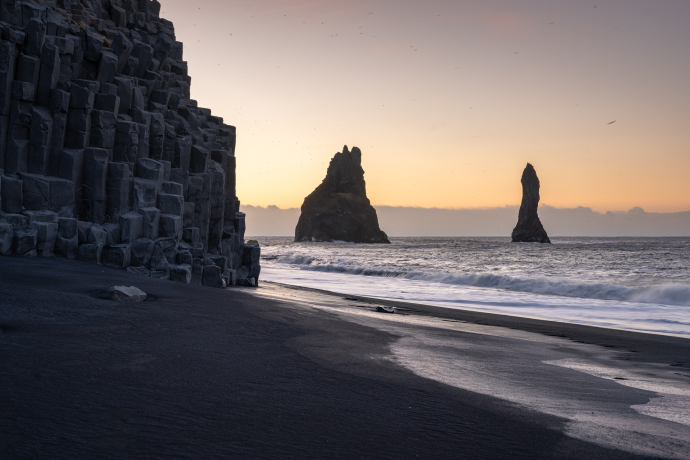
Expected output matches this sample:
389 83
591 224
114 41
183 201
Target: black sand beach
198 372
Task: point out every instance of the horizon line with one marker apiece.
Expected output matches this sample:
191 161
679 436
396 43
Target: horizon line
475 236
637 209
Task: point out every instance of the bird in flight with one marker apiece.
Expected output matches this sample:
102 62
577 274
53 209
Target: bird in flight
611 122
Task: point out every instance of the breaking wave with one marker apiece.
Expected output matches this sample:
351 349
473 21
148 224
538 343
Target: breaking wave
665 294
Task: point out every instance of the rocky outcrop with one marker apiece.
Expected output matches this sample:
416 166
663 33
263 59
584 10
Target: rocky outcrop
104 156
339 210
529 228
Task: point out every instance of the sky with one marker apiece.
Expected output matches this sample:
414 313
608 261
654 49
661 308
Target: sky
449 100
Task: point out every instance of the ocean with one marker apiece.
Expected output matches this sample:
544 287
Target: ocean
639 284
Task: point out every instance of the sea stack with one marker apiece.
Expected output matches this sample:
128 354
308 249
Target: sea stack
529 228
339 210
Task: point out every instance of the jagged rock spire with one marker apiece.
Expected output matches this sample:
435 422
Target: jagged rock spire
339 208
529 228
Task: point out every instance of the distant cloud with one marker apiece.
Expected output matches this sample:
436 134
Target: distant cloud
407 221
271 220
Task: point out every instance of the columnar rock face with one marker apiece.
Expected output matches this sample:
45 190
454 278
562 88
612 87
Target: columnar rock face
339 210
529 228
104 157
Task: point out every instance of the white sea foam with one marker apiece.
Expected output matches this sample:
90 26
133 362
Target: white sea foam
667 294
633 316
636 284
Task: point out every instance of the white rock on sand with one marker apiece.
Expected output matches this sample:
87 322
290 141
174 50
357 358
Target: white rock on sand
127 293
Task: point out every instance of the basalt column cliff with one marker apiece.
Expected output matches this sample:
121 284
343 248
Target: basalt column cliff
104 157
529 228
339 210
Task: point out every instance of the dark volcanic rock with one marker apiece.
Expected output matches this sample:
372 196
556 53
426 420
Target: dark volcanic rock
97 127
339 210
529 228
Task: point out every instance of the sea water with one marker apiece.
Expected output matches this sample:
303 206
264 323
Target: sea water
640 284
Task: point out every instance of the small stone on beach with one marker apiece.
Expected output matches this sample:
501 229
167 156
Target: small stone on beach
385 309
124 293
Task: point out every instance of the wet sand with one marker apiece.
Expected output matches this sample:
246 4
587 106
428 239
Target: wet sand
280 373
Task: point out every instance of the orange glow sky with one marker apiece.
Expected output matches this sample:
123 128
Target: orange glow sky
449 99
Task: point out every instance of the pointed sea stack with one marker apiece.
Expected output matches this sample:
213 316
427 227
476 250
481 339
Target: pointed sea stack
529 228
339 210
